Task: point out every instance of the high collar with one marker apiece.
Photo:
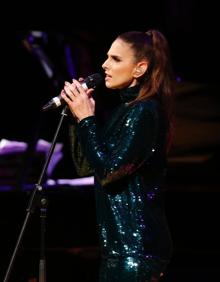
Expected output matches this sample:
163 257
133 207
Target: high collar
129 94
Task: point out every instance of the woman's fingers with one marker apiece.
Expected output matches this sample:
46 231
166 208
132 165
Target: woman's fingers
79 87
71 90
74 89
65 96
81 79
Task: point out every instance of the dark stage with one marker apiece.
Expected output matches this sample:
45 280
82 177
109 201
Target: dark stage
192 188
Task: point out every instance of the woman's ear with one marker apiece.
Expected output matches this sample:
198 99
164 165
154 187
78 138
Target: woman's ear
140 69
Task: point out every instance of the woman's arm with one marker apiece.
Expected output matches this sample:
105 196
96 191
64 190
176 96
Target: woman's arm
135 144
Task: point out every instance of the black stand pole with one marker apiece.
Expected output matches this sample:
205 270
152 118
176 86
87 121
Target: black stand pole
42 262
33 202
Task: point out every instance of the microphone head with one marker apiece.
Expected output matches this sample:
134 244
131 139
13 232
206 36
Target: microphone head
93 80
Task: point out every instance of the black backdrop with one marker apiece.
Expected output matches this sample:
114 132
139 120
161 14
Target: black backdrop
193 196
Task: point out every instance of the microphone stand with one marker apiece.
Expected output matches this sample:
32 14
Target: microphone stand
33 202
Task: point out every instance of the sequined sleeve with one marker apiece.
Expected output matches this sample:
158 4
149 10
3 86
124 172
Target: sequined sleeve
130 145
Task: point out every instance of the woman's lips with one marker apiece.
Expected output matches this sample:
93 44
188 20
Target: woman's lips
107 77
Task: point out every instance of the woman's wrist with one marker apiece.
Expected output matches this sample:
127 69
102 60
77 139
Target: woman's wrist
85 120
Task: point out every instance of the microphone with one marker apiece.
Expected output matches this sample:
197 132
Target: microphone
92 81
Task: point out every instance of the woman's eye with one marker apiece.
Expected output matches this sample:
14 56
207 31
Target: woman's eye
116 59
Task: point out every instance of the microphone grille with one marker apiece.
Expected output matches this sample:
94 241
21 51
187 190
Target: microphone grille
93 80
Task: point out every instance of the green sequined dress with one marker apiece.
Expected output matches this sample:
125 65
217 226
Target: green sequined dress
128 160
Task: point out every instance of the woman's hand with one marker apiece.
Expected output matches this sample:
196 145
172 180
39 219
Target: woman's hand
79 100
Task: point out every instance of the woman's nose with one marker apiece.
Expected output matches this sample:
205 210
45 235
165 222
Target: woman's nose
104 65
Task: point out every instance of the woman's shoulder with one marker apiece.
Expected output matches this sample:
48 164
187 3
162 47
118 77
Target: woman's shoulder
145 106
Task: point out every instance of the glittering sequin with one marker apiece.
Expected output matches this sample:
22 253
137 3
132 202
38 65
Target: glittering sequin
129 170
131 269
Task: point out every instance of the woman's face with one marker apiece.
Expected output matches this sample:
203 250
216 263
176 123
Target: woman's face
120 66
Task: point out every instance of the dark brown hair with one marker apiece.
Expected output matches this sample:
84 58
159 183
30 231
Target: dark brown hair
158 80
